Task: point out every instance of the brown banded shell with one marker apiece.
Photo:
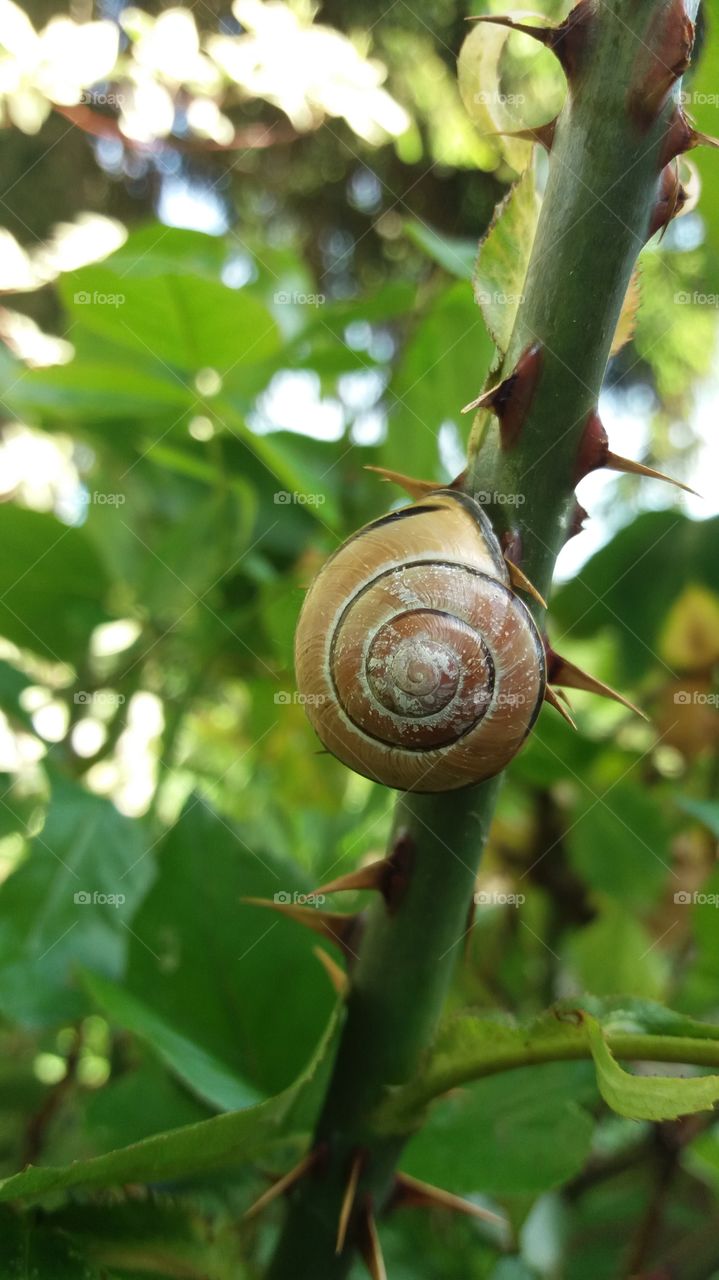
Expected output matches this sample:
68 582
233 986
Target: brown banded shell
418 665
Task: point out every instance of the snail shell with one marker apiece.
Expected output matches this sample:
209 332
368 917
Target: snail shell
418 665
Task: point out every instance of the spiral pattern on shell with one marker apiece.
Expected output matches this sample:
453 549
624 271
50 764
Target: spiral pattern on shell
418 665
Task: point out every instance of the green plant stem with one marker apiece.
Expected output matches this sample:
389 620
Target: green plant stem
403 968
603 183
626 1046
602 186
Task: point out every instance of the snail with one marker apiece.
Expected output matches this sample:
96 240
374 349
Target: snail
418 665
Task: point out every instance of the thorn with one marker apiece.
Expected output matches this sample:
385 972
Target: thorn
334 926
411 1193
390 876
576 521
662 59
670 201
348 1200
616 463
593 447
282 1184
520 580
560 671
567 40
551 697
541 133
703 140
680 137
371 1248
594 452
415 488
401 862
458 482
511 398
372 876
337 976
511 544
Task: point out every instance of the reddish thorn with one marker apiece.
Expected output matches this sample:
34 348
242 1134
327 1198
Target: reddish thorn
551 697
415 488
662 59
593 448
369 1244
560 671
670 201
679 137
511 398
399 869
411 1193
594 452
511 544
576 521
521 582
541 133
568 40
336 927
348 1199
336 975
285 1183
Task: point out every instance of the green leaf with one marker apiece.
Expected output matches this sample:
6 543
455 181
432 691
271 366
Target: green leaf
480 78
504 257
642 1097
470 1047
157 1237
518 1133
455 255
227 1140
443 365
156 250
94 391
629 586
181 322
52 587
203 1074
627 1013
134 1105
615 953
53 912
620 844
217 969
32 1250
